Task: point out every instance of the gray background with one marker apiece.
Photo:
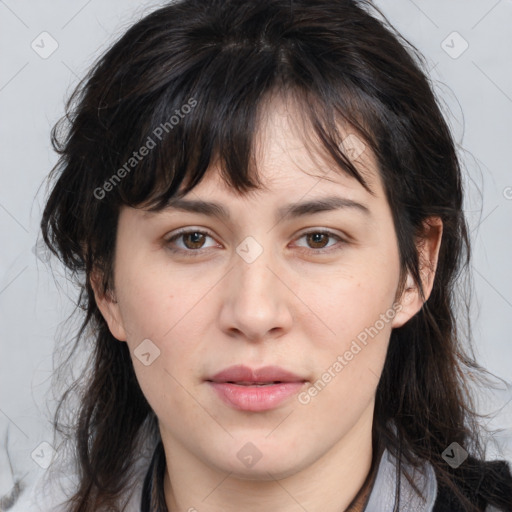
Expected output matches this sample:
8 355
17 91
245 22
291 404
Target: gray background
473 83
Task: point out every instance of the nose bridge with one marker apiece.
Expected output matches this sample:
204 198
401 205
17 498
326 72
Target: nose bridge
257 300
253 265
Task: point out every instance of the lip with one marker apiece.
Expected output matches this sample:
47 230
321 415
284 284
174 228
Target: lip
251 397
266 374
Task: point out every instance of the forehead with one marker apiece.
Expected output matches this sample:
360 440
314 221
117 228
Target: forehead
297 178
287 154
292 165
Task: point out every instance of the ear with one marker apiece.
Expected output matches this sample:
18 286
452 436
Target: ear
428 246
108 306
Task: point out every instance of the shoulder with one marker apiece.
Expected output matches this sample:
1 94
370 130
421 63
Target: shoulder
39 495
487 484
50 490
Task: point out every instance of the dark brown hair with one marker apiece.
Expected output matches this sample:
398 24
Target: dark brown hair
343 63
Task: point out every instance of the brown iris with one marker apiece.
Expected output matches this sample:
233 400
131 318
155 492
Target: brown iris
317 239
196 237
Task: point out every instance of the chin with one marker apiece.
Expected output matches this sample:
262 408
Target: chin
267 463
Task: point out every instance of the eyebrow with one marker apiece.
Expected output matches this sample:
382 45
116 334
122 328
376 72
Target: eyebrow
292 210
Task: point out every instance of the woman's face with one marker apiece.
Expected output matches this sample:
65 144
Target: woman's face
311 292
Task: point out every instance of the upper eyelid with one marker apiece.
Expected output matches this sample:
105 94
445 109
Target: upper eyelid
185 231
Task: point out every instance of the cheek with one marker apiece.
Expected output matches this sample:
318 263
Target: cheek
169 312
349 356
354 309
154 300
346 302
167 392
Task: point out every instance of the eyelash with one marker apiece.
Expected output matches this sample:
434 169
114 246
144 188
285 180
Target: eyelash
199 252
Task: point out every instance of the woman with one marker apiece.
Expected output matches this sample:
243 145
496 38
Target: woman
263 205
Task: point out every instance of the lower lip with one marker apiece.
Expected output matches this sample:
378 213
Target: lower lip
255 398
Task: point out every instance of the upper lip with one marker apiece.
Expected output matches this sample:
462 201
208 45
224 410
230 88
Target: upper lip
266 374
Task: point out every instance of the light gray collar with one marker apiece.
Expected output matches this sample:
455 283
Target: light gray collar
382 496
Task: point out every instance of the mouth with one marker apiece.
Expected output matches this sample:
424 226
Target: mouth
257 390
254 383
244 376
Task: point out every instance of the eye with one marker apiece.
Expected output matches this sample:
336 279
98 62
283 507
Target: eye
193 241
317 240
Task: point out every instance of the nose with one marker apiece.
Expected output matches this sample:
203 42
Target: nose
257 299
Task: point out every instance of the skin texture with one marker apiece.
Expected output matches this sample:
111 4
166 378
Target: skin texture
294 306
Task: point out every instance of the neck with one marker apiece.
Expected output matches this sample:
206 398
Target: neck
361 499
